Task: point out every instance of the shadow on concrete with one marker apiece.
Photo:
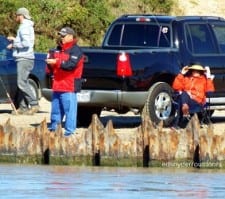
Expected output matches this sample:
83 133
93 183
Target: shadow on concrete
122 121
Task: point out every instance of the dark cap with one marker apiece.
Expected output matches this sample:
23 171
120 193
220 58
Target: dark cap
66 31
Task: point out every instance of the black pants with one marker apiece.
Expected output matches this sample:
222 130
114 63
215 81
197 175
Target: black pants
194 106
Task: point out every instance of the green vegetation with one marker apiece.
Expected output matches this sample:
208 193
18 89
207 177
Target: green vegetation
89 18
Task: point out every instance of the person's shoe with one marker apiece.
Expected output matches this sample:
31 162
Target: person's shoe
67 134
35 108
32 110
52 130
187 117
175 128
185 110
183 123
19 111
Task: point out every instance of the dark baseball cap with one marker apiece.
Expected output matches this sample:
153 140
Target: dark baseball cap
66 31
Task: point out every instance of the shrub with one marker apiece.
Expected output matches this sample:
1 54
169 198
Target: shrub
89 18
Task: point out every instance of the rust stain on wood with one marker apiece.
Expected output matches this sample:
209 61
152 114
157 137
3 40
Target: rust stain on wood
145 143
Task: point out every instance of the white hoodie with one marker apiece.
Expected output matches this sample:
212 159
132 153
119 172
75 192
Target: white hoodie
23 45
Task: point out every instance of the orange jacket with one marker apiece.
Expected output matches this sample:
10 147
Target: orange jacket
196 87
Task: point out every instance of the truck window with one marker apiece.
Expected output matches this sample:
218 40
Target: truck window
115 35
219 31
199 40
140 35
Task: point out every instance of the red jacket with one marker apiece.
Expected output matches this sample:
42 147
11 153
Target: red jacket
68 70
196 87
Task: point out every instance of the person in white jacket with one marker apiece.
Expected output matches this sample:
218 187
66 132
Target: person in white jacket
23 52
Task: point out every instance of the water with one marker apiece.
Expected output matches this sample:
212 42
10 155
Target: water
29 181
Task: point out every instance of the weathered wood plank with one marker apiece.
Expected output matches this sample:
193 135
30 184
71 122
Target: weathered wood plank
99 145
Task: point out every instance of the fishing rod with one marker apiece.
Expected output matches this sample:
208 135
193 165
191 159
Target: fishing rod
8 96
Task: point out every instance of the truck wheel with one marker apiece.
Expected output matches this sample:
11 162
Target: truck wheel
159 104
84 115
34 88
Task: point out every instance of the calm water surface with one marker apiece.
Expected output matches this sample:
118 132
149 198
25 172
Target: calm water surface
25 181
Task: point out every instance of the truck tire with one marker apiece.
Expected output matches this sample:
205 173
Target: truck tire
34 88
159 105
84 115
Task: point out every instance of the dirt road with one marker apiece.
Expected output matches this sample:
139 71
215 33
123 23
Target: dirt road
128 120
25 120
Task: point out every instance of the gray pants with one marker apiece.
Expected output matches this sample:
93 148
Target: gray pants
26 97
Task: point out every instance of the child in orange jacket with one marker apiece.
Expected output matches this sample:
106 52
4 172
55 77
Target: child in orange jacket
192 83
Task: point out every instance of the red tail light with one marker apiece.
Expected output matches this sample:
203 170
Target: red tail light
123 65
142 19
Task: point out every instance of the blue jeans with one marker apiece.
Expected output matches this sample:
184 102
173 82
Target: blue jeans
64 104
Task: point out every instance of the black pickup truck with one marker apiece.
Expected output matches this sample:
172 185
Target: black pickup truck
139 58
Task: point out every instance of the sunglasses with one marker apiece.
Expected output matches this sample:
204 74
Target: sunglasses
62 36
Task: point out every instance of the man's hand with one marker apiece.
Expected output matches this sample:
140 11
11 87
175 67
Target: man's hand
51 61
11 38
10 46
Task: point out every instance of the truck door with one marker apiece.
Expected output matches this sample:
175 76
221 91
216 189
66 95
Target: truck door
203 49
218 30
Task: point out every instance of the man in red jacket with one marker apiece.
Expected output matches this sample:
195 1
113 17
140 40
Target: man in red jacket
192 84
66 64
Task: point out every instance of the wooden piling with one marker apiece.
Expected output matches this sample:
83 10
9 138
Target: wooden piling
145 145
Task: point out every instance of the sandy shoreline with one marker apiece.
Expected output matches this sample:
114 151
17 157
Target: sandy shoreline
25 120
